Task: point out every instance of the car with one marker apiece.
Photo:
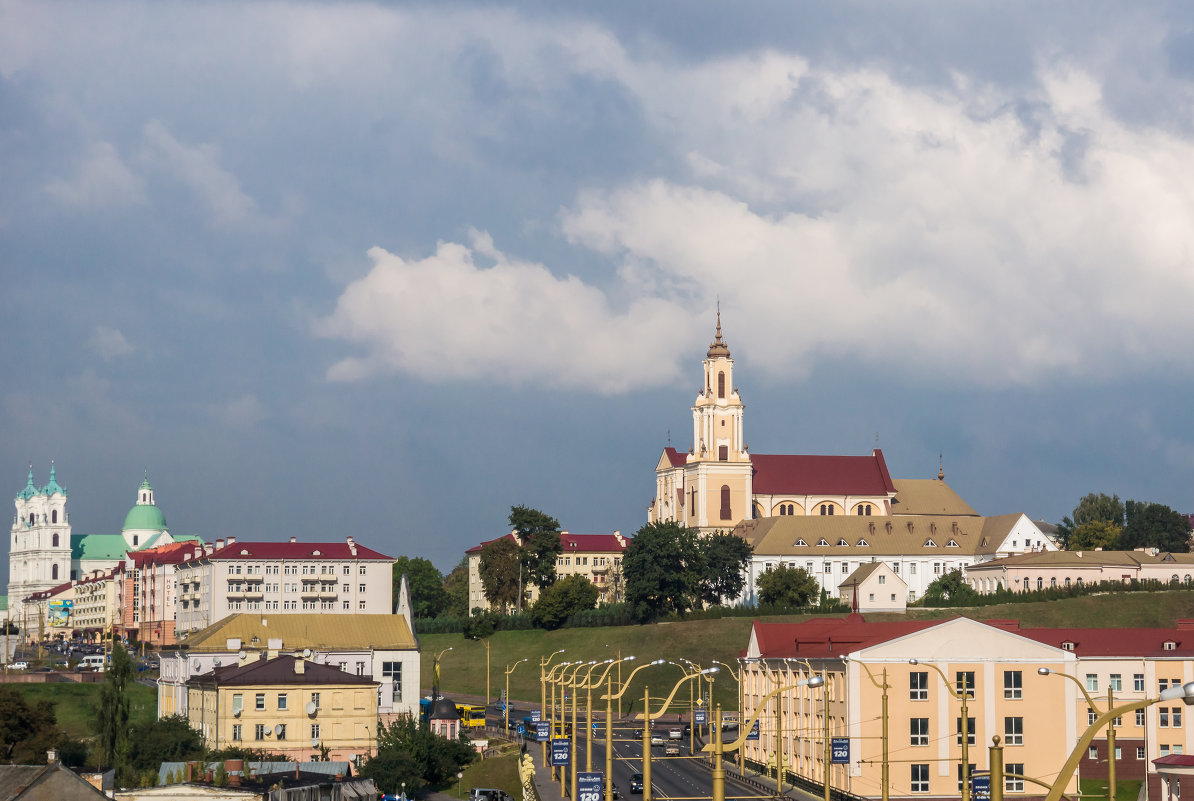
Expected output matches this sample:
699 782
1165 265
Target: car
656 739
675 733
671 749
19 665
636 783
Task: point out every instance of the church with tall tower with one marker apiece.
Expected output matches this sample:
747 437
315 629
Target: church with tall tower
719 483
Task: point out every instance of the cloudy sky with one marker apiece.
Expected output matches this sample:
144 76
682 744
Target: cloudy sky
387 269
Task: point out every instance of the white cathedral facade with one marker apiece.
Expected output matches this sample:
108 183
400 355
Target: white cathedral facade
43 553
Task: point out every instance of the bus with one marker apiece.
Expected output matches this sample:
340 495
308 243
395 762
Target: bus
472 716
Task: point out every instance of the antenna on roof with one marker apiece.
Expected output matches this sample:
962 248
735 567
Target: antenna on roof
669 436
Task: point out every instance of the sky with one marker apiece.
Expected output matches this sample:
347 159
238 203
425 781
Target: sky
386 270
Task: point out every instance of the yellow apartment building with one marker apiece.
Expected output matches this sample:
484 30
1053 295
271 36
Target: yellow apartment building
287 705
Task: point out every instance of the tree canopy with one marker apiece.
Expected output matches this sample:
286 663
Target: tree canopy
1154 525
562 599
726 557
428 598
1095 534
456 587
1094 507
662 567
500 574
408 752
112 710
168 739
540 534
788 586
949 589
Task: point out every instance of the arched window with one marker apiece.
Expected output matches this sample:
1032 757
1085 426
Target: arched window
725 502
859 510
54 571
1053 582
54 517
1067 582
1026 584
55 539
721 385
1078 581
1040 583
824 509
791 509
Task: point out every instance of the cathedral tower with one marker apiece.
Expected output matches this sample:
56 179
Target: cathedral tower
39 545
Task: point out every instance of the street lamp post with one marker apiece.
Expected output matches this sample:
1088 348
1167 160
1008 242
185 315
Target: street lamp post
506 706
551 710
961 695
885 776
543 663
589 685
609 697
718 748
1044 671
648 716
565 683
575 693
435 675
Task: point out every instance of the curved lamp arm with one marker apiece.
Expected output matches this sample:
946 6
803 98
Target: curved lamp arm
812 681
663 708
626 684
949 687
608 667
1044 671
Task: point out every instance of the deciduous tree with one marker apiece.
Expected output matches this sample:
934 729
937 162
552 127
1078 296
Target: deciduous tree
168 739
540 534
1095 534
567 596
112 710
456 586
1155 525
950 589
1093 507
788 586
428 598
726 557
500 574
662 568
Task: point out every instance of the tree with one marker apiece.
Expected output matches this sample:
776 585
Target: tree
1155 525
26 731
500 574
456 586
950 590
428 598
1095 534
662 568
788 586
168 739
393 770
726 557
567 596
1093 507
540 534
426 758
112 711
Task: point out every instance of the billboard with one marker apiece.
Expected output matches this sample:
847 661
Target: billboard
59 613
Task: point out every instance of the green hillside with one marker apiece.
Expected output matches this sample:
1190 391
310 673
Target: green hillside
463 668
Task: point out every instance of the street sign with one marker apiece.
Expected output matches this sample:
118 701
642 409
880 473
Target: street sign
542 730
980 788
754 732
839 750
698 717
536 716
589 786
561 751
594 729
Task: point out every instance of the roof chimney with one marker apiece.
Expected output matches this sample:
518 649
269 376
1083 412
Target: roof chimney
294 539
352 546
219 544
231 540
52 754
300 665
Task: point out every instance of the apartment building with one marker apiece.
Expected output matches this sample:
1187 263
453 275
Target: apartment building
1047 570
282 578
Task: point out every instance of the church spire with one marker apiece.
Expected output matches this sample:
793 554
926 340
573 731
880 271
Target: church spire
53 486
940 467
30 490
718 347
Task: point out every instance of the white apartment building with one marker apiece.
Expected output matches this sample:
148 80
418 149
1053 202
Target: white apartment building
281 578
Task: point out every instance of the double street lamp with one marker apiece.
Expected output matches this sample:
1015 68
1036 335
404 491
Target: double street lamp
648 716
609 698
544 661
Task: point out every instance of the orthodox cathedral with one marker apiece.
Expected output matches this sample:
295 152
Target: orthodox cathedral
43 553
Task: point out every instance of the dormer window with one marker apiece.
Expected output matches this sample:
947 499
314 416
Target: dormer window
1169 645
822 541
1067 646
863 544
951 544
800 542
842 541
929 543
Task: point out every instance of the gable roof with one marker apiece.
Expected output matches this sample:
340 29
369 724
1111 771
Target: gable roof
279 671
299 630
868 569
51 782
787 474
511 536
601 543
828 638
674 457
927 496
884 535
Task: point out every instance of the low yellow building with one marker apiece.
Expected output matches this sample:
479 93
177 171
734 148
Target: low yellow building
286 705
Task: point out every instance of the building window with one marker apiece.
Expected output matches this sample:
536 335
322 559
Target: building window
1138 683
362 570
392 672
969 731
725 502
54 571
259 703
280 731
259 731
1092 753
1163 717
1091 716
1013 731
1139 717
314 731
965 683
882 579
1116 682
1140 752
920 731
920 778
723 453
969 773
315 699
721 384
827 567
1012 782
236 731
1013 684
282 700
1177 717
1092 683
918 685
361 588
55 535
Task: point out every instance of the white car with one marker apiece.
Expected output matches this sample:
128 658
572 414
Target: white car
19 665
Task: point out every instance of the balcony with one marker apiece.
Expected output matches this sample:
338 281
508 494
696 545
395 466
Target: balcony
253 591
309 592
232 594
311 579
328 595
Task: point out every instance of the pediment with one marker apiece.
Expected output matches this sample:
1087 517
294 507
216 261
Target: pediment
964 640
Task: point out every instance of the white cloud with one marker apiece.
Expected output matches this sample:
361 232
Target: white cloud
109 343
510 322
243 412
101 179
198 168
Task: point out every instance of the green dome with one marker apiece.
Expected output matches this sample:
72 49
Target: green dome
145 517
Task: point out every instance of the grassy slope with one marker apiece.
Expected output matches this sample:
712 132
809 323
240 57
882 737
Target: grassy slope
463 668
74 703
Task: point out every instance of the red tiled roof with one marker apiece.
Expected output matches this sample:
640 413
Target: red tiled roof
294 550
829 639
780 474
591 542
477 548
676 458
170 554
279 671
1177 760
1145 642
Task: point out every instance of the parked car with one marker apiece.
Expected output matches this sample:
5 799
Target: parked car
636 783
19 665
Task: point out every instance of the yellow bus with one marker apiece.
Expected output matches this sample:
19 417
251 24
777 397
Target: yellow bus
471 715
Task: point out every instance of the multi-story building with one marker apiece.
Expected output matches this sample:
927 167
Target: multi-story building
597 557
380 646
287 705
282 578
149 592
99 602
1009 678
1047 570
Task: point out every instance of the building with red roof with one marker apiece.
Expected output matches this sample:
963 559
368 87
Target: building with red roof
1008 678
